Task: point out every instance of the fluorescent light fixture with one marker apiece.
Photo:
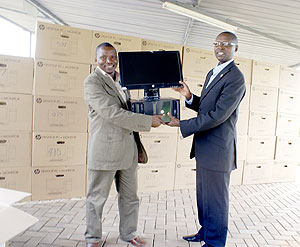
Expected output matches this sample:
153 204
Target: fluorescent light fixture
195 13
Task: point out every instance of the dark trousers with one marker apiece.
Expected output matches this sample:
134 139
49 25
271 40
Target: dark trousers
213 205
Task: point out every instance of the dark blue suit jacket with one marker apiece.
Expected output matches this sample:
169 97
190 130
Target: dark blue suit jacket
214 143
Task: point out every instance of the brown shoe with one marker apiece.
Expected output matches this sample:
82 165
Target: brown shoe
93 244
138 242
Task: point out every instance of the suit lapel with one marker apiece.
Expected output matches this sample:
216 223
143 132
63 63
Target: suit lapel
215 80
127 99
112 86
206 81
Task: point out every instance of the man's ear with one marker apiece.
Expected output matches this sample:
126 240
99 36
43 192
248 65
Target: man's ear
96 60
236 48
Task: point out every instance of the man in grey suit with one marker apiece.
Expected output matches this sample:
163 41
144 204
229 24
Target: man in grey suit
114 148
214 143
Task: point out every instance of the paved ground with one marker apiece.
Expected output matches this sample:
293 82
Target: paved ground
266 215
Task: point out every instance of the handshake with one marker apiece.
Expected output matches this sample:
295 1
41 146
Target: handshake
157 121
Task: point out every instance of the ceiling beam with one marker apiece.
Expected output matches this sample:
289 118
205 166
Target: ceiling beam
187 31
189 27
195 12
198 11
47 12
18 25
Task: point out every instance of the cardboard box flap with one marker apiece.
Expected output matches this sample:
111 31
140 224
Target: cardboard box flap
8 197
15 219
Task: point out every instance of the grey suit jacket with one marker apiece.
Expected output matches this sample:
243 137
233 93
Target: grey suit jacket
214 129
111 125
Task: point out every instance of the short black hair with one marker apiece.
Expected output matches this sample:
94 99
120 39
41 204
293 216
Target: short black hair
233 36
105 44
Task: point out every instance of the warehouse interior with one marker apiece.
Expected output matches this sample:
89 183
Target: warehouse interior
265 189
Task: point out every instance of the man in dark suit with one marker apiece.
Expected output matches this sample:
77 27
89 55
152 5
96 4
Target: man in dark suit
215 140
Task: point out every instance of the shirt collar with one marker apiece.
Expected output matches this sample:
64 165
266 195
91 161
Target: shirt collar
220 67
107 75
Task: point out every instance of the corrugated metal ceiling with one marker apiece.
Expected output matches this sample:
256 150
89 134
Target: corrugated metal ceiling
147 19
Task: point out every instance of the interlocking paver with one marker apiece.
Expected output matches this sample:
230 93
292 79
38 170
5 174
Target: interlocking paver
49 238
265 215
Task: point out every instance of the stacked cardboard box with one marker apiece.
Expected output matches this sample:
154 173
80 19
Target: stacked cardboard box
196 64
16 80
121 43
62 62
161 142
287 128
56 147
262 122
245 65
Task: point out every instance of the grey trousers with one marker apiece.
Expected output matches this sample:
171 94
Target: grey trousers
100 182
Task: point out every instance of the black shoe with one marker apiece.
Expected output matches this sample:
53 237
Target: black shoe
193 238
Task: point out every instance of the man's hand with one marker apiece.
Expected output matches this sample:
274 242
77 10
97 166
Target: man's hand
184 90
156 121
174 122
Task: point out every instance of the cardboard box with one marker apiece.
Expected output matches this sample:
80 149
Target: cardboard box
184 146
136 94
262 148
195 84
289 78
15 148
161 148
63 43
59 114
287 125
50 183
236 177
287 148
14 221
55 149
242 123
168 93
245 104
197 62
164 129
185 175
15 112
265 74
156 177
283 171
262 124
245 65
16 74
186 113
289 101
59 78
263 98
16 178
242 142
258 172
119 42
151 45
